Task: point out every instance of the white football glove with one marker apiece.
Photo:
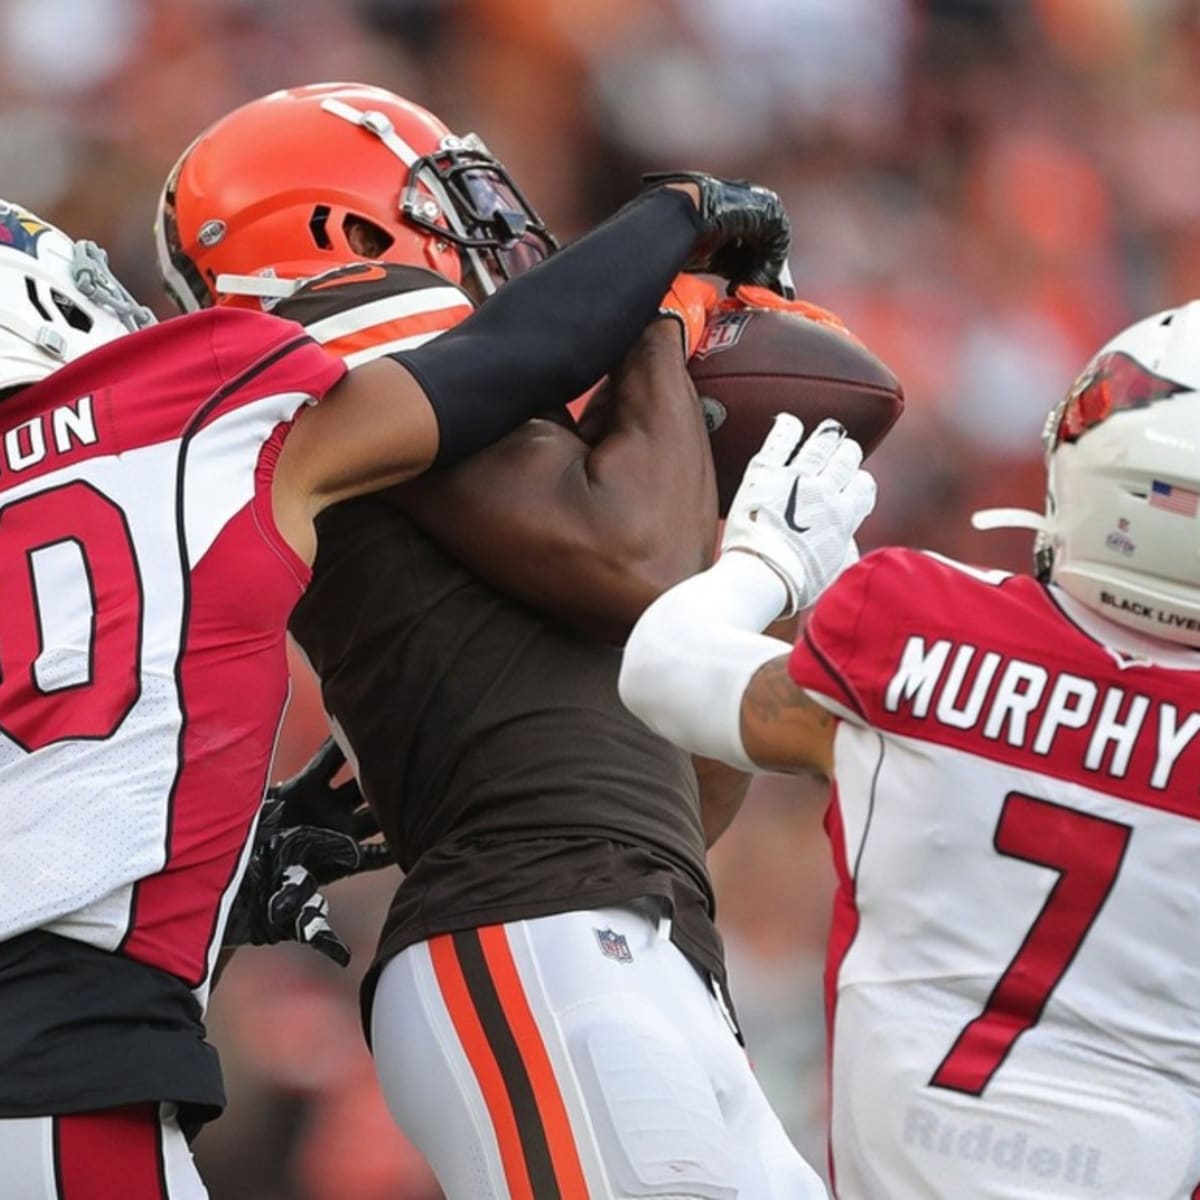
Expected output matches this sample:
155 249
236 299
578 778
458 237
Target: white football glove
799 511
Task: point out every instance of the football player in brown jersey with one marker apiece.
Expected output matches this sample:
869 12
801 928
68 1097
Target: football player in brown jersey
548 1006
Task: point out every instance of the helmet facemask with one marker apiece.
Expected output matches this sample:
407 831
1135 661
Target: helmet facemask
483 212
463 196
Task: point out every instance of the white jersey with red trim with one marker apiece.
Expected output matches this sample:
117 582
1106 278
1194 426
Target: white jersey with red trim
1015 957
145 593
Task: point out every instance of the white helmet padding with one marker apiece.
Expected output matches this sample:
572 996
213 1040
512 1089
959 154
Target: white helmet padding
1121 531
58 299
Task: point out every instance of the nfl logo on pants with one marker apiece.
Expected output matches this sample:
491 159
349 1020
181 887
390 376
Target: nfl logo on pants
613 945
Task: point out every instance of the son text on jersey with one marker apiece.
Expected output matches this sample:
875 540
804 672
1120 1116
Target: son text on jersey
58 431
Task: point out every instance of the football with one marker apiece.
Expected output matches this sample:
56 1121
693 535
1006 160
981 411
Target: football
753 363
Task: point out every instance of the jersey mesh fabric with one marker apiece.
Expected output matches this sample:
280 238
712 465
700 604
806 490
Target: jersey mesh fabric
1013 966
130 795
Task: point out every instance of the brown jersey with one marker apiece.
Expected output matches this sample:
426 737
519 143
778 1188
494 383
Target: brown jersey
508 778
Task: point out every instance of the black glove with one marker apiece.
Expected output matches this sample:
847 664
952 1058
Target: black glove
746 234
308 799
279 898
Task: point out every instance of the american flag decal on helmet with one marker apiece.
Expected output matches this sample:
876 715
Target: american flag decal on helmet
613 945
1174 499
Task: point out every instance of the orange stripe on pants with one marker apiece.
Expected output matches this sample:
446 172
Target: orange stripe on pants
551 1108
483 1063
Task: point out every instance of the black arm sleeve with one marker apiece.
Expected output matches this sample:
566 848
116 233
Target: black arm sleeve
547 336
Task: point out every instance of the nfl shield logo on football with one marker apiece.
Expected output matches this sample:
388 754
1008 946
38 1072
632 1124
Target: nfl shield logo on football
613 945
721 333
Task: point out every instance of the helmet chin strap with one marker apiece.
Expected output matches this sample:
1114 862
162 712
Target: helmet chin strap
265 286
1023 518
40 334
1010 518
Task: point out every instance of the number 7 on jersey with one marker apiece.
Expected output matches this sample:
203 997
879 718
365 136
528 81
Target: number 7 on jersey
1086 851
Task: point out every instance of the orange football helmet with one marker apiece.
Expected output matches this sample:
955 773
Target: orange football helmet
270 194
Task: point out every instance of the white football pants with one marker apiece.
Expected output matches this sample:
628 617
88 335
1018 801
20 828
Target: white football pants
575 1057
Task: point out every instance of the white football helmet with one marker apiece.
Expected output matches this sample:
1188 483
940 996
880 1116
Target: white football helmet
58 299
1121 531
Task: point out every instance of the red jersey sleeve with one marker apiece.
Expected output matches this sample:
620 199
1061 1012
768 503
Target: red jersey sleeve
826 653
177 377
259 356
857 631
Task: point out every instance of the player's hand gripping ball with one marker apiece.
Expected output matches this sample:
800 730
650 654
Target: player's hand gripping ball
799 505
744 234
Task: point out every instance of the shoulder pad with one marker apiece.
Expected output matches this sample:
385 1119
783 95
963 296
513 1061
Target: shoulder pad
367 310
360 283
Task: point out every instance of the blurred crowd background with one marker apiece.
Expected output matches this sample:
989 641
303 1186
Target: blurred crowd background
985 189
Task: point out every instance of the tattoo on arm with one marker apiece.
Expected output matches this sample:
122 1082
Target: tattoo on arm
782 729
774 692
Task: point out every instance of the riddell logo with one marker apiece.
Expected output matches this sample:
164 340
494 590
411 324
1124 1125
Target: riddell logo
997 1151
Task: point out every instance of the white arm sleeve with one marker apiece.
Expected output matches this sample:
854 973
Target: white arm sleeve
692 654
